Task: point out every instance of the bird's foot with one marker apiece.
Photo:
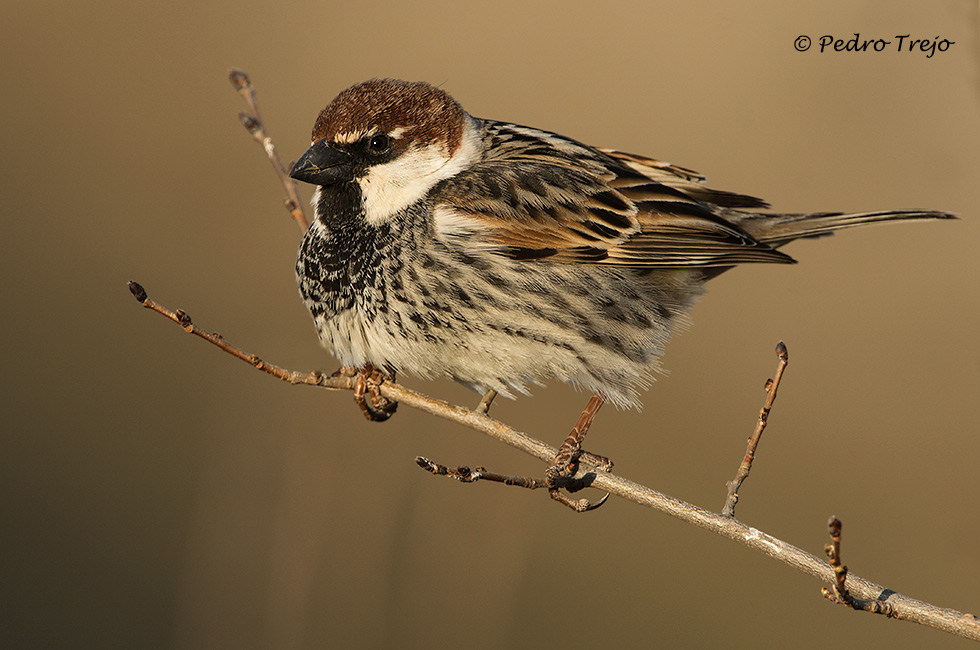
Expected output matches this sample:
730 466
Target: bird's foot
367 392
561 477
561 474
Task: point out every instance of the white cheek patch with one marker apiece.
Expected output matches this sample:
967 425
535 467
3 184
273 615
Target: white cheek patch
389 188
386 189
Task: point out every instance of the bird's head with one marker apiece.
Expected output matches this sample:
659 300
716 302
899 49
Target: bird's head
395 139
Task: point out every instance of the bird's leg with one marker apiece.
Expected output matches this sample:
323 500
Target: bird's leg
571 449
561 472
486 401
367 392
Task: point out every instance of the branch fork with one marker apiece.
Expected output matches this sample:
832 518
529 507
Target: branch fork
839 593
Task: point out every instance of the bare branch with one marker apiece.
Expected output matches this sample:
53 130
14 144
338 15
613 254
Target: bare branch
182 318
772 385
464 474
256 127
902 607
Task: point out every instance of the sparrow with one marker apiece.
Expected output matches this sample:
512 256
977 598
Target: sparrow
502 256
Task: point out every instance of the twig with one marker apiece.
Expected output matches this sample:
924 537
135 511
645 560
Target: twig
772 385
182 318
464 474
256 127
903 607
840 594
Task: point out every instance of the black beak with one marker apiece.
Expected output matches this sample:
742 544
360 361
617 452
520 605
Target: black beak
322 165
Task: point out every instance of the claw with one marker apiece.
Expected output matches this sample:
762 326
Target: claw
367 394
580 505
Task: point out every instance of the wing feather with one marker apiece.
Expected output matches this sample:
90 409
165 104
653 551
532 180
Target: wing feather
539 196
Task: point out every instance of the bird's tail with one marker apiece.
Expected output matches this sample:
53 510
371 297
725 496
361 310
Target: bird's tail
778 229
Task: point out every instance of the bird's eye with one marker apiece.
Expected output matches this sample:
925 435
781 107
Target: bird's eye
379 143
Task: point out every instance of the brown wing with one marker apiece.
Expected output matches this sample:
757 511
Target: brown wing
541 196
688 181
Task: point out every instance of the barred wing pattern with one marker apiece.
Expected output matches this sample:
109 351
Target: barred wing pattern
538 195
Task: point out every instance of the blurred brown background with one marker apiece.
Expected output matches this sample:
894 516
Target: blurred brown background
159 494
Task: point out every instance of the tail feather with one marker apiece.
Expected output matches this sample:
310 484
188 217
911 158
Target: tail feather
778 229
